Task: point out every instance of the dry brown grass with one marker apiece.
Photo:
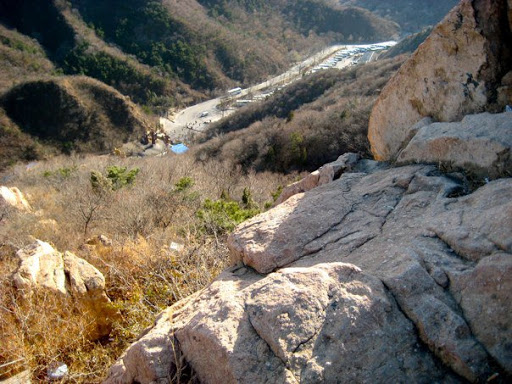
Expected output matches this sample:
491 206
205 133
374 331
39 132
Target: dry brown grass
143 274
74 113
21 59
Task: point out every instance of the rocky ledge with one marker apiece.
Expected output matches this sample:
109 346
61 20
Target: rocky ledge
390 273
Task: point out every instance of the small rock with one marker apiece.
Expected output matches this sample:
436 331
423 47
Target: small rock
100 239
323 175
44 268
57 371
176 247
20 378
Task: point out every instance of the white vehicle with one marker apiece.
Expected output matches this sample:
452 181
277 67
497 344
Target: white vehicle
235 91
203 114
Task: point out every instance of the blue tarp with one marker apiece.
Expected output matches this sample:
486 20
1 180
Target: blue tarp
179 148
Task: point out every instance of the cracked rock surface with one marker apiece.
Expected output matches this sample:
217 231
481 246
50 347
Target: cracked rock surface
480 143
458 70
384 275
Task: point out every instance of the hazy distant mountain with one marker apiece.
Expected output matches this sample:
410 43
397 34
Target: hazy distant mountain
412 15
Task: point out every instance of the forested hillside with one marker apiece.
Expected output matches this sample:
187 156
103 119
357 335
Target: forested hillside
74 48
161 54
206 44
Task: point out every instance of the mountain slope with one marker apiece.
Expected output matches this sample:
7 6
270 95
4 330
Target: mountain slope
305 125
162 54
43 113
21 58
76 49
206 44
74 113
411 15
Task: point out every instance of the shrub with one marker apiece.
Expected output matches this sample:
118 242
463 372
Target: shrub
221 216
115 178
120 177
62 173
184 183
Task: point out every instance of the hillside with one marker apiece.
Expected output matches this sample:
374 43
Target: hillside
412 16
21 59
203 44
407 45
75 48
77 113
43 113
188 51
305 125
367 271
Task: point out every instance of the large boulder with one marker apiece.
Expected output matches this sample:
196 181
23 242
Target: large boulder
42 269
389 273
479 143
460 69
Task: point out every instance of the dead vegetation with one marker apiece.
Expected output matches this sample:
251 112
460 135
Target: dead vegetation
22 59
162 248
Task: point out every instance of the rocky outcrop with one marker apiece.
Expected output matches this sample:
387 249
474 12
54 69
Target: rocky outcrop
479 143
384 273
365 272
458 70
323 175
13 197
99 240
42 269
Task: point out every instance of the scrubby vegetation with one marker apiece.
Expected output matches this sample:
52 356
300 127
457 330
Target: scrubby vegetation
144 206
75 48
43 113
18 146
21 59
304 126
408 45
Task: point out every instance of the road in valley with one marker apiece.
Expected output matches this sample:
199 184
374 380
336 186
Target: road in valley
197 118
